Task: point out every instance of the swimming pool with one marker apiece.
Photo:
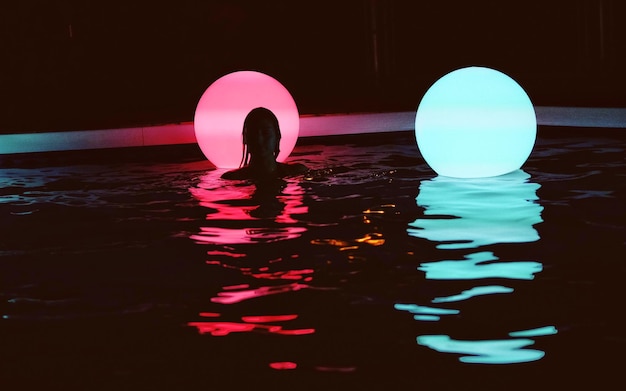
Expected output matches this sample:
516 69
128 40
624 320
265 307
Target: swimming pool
370 272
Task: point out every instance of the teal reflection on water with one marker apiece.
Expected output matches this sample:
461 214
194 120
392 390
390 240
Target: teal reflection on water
547 330
496 351
425 313
427 318
476 291
469 213
480 265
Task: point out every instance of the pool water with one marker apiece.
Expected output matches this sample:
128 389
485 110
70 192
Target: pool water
368 272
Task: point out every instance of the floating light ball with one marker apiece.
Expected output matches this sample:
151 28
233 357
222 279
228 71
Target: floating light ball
222 109
475 122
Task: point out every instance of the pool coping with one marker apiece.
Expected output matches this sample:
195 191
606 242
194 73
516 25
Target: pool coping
310 126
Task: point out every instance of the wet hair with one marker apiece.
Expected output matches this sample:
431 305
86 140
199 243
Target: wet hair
253 119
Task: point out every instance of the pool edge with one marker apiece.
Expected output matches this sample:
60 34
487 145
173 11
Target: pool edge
310 126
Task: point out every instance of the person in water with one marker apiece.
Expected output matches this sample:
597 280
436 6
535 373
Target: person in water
261 140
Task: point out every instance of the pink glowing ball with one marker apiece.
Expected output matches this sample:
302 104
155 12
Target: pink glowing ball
218 121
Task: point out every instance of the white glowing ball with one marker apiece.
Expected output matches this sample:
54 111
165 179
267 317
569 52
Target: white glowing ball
222 109
475 122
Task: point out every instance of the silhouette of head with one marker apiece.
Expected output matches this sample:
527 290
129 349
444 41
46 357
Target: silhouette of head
261 134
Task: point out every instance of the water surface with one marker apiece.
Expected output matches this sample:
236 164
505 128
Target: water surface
370 270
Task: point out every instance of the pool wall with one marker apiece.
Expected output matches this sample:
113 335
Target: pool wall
310 126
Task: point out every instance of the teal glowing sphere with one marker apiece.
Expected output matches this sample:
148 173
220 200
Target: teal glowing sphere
475 122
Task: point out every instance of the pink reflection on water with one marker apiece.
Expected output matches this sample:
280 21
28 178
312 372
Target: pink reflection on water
284 274
243 213
214 198
292 199
227 266
233 287
295 332
268 318
239 212
210 314
226 253
218 235
220 329
282 365
238 296
249 324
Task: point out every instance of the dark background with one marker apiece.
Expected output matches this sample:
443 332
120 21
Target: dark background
78 64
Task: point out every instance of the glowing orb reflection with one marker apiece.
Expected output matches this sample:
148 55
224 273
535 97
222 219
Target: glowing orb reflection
485 211
218 121
503 351
475 122
250 214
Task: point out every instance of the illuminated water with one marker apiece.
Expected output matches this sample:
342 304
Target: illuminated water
370 273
